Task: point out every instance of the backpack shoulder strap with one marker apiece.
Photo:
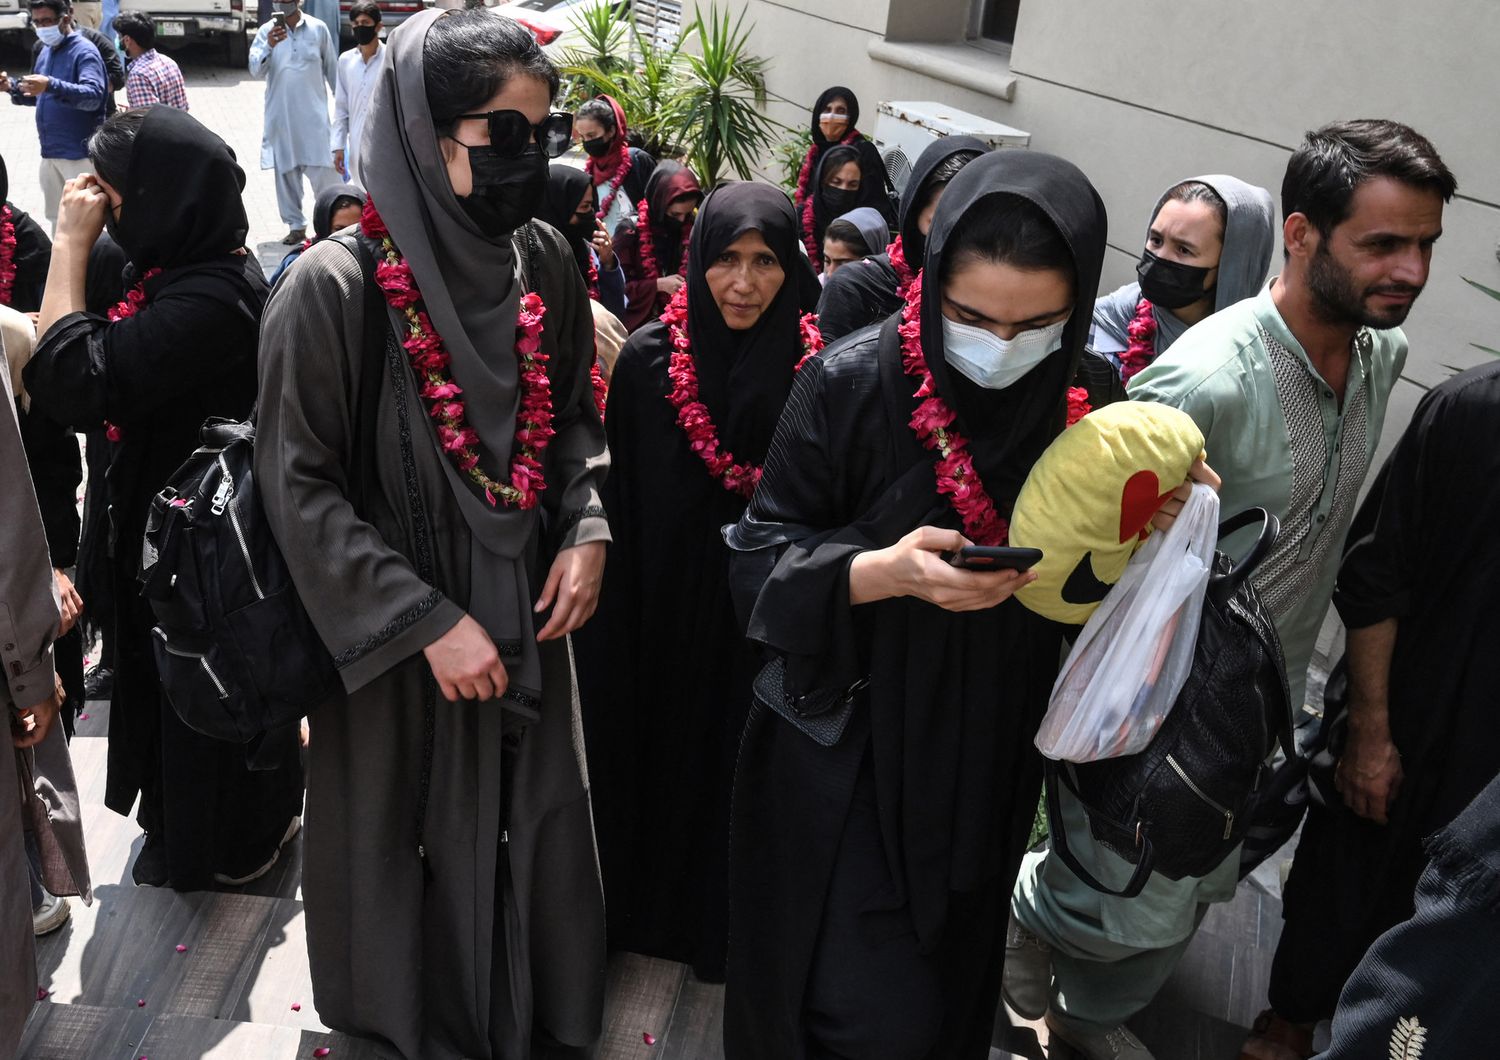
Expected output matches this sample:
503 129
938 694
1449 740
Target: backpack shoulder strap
377 332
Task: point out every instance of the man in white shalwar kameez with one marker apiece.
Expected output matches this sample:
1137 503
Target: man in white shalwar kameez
299 62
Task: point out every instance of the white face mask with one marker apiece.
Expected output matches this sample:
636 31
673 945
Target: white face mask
987 360
49 35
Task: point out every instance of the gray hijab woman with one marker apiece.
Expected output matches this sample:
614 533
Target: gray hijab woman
1208 246
453 899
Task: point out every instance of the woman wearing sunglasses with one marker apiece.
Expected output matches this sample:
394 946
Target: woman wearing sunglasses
443 526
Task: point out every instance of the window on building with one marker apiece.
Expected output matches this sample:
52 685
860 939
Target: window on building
994 20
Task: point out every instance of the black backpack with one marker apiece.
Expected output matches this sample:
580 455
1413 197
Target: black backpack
236 650
1179 807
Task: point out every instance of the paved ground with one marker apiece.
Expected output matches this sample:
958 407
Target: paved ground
229 101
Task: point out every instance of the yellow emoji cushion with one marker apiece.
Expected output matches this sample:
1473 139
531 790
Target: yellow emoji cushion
1088 502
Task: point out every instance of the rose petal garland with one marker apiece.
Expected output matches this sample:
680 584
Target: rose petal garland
897 253
7 255
1078 405
933 423
1141 350
601 388
124 309
693 416
429 358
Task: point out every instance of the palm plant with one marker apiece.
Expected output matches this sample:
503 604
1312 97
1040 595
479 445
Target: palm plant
721 125
1496 296
600 55
789 156
651 92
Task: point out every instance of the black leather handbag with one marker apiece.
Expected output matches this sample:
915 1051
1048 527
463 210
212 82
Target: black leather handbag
820 715
1179 807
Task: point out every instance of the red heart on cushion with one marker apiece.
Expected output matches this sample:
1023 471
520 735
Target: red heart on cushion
1139 502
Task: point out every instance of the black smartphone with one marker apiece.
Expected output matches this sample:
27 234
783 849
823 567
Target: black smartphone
278 18
994 557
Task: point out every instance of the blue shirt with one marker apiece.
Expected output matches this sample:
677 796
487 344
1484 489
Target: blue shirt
73 105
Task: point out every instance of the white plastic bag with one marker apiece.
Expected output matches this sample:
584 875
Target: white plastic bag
1134 655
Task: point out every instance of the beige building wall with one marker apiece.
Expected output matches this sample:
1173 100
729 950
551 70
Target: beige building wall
1143 93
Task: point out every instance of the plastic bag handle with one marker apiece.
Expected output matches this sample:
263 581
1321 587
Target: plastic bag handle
1059 837
1223 586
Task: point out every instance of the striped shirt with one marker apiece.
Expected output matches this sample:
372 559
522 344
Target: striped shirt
154 78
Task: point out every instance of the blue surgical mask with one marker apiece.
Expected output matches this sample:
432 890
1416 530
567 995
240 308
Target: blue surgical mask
987 360
51 36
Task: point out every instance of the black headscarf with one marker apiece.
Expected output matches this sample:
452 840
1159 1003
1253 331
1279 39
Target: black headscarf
828 96
913 242
325 206
824 211
669 182
744 376
195 216
566 186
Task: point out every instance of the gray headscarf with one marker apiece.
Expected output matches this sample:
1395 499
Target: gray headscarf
1249 237
872 227
471 288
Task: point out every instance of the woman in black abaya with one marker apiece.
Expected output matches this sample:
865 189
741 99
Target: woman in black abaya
869 879
186 353
835 122
664 669
569 207
868 291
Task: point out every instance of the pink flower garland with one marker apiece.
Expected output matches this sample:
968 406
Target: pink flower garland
7 255
618 171
804 201
650 267
1141 350
693 416
601 388
897 253
933 423
1078 405
124 309
429 358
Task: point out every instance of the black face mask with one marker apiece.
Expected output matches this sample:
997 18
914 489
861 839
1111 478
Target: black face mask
579 230
507 191
364 34
1171 284
598 148
840 200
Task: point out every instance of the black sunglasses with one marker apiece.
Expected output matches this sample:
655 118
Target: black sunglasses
511 133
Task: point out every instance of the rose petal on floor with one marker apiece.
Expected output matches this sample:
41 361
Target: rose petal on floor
648 1037
41 995
181 948
322 1051
296 1006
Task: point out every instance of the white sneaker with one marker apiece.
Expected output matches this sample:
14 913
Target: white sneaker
52 914
229 881
1116 1043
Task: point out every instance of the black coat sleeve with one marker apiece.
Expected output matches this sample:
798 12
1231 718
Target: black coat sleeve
33 259
56 466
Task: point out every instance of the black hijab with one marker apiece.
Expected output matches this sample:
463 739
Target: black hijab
824 211
913 242
198 214
566 186
745 376
326 203
828 96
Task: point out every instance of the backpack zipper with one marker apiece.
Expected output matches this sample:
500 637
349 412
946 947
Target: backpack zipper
202 661
227 489
1228 814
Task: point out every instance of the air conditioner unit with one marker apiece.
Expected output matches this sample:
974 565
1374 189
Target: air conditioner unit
903 131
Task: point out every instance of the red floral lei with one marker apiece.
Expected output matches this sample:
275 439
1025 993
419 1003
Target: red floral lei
650 268
616 173
1141 350
804 201
601 388
904 276
593 276
693 416
7 255
429 357
1078 405
124 309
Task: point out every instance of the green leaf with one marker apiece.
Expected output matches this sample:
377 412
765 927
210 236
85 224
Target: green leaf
1487 290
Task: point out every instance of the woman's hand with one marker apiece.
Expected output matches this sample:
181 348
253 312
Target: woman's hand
603 246
668 285
1167 514
914 567
81 214
466 664
573 583
71 603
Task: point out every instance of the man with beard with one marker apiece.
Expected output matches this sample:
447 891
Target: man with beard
1290 389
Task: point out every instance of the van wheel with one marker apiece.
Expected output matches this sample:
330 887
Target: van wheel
237 49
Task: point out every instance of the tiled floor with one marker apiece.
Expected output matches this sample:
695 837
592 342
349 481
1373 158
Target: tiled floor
119 990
